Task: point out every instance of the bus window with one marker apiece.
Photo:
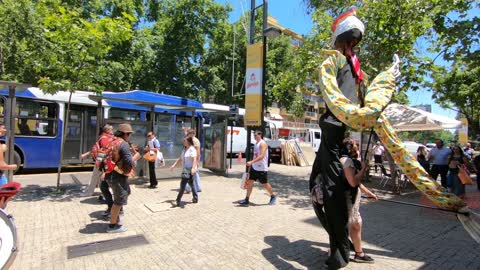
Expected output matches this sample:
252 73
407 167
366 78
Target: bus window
36 118
164 127
116 113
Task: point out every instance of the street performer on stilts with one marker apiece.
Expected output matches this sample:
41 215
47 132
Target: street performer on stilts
351 103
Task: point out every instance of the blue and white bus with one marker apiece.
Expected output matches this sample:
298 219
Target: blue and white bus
40 117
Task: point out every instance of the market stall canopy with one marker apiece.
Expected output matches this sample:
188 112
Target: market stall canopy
406 118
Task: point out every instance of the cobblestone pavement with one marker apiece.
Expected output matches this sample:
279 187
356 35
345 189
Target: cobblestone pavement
217 234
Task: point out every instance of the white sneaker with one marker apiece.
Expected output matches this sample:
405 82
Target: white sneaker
116 229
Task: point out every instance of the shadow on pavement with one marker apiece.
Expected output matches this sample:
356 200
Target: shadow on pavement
292 189
284 254
91 200
32 193
94 228
428 236
98 215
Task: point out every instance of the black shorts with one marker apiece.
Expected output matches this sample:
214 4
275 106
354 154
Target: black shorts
120 187
258 175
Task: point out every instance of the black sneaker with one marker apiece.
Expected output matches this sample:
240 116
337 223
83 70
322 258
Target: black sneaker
273 200
244 203
363 259
179 203
195 200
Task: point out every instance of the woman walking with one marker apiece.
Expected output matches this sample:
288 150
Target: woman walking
189 160
454 160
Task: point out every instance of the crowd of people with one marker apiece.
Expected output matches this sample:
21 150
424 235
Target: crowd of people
115 161
441 162
447 162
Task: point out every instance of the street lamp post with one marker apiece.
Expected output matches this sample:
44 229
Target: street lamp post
270 32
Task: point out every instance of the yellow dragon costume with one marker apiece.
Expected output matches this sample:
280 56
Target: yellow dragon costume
351 104
377 96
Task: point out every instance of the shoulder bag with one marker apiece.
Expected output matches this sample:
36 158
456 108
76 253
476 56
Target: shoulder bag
464 175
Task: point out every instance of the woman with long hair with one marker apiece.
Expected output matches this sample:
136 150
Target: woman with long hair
188 158
454 160
422 158
353 175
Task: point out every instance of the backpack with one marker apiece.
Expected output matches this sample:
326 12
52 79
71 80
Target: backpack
112 155
98 151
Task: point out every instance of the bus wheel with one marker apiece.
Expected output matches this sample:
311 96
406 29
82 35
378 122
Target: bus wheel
17 160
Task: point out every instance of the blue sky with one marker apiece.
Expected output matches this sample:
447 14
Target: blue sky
292 14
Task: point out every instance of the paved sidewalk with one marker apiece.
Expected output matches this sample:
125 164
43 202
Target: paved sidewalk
217 234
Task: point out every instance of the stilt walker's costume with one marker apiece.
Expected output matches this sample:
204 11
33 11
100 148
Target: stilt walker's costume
349 103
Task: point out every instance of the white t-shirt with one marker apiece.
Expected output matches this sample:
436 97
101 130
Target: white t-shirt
347 162
188 156
378 150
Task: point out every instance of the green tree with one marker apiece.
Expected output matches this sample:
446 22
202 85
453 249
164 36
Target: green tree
53 46
20 36
74 46
458 88
181 34
390 27
455 84
427 136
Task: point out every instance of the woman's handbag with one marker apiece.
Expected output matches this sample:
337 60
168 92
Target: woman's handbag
186 173
150 156
464 175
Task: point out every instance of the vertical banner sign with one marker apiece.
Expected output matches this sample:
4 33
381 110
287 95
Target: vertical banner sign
463 131
253 81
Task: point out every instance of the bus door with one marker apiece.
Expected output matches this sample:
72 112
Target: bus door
81 132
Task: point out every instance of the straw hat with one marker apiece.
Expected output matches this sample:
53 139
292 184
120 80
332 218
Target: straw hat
125 128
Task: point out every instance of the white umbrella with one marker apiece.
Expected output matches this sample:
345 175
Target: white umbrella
406 118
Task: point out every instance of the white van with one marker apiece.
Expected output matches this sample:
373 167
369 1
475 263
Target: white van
239 140
313 138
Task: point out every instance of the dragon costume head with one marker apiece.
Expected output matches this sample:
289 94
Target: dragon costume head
348 29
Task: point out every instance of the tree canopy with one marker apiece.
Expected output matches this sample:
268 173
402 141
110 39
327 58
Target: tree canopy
403 27
188 48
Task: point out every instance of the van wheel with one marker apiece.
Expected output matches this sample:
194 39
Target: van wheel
18 161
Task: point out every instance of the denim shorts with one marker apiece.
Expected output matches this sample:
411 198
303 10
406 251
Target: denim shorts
120 187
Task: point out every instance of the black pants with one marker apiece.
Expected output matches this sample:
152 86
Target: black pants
151 172
105 189
379 161
183 184
442 170
334 215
